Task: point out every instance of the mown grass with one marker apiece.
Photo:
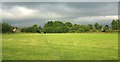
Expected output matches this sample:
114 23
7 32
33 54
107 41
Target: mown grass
60 46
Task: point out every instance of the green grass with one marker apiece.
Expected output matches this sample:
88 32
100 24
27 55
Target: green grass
60 46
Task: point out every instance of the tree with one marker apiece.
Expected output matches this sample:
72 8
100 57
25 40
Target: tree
119 25
97 26
57 24
49 24
90 26
48 29
56 27
75 28
23 30
0 28
6 28
83 28
68 24
33 29
106 28
64 29
115 24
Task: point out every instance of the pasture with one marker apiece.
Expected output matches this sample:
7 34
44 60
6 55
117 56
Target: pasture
72 46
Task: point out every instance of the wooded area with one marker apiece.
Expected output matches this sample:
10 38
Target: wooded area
60 27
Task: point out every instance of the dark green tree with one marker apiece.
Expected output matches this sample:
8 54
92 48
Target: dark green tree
54 27
48 29
49 24
68 24
75 28
33 29
106 28
84 28
57 24
90 26
115 24
64 29
6 28
119 25
97 26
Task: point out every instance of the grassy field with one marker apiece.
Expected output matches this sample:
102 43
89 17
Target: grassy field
60 46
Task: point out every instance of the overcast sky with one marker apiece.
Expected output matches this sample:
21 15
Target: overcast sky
29 13
60 0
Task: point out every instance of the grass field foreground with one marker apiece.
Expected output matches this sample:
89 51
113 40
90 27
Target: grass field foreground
60 46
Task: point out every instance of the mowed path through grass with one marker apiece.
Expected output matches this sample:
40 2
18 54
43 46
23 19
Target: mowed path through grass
60 46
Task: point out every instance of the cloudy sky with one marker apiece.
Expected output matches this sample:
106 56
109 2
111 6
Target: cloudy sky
23 14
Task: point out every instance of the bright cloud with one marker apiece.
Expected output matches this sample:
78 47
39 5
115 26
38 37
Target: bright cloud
18 12
97 18
100 19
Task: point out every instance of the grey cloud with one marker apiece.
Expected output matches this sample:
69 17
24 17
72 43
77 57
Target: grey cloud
60 0
75 8
69 11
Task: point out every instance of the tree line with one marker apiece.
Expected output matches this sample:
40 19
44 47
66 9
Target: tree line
67 27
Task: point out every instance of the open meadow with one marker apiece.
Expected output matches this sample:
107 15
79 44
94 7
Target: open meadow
72 46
